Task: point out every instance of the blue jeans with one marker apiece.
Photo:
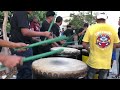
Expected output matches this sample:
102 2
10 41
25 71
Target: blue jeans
92 71
118 60
24 71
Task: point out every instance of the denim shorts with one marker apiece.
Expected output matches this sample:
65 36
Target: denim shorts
102 73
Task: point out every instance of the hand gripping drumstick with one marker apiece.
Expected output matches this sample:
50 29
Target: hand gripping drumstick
37 56
44 42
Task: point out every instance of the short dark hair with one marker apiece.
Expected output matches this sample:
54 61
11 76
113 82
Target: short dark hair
59 19
86 25
50 13
68 26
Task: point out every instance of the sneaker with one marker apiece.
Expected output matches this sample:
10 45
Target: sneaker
116 76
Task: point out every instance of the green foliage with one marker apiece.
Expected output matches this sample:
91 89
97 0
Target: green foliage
78 20
39 14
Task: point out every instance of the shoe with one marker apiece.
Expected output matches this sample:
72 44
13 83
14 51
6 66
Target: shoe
116 76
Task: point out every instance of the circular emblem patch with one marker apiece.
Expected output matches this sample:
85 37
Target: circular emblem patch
103 40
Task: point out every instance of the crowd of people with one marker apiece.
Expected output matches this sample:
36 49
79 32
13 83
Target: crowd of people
100 39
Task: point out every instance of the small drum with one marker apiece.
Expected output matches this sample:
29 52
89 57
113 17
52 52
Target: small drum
58 68
68 52
85 55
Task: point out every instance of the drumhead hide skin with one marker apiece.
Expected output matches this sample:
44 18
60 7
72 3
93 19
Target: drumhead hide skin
67 51
59 67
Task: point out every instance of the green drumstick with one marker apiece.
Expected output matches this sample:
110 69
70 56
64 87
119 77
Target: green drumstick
43 42
42 55
38 56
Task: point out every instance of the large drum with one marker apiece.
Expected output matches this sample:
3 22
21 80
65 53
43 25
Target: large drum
68 52
58 68
79 47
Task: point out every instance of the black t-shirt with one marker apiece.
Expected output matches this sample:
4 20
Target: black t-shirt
19 20
80 37
68 32
55 29
119 32
81 29
45 27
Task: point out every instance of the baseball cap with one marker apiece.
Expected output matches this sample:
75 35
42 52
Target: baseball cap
102 16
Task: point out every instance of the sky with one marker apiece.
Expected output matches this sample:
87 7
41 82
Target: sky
113 16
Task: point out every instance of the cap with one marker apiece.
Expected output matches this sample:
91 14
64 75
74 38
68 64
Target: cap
102 16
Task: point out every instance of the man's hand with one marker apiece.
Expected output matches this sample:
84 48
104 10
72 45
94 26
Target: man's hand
12 61
47 34
18 45
62 42
55 44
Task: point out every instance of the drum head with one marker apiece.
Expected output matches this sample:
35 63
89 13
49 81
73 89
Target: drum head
59 67
67 51
76 46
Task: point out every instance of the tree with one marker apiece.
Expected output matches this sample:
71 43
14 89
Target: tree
2 17
39 14
78 20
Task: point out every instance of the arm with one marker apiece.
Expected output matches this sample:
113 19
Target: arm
27 32
23 23
80 32
9 44
10 61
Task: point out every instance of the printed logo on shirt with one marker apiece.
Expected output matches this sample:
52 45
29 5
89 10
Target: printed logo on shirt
103 40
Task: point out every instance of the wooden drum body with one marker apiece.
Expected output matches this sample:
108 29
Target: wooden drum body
58 68
79 47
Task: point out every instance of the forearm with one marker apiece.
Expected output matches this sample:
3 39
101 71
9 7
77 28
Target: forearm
34 34
9 44
30 33
79 34
2 58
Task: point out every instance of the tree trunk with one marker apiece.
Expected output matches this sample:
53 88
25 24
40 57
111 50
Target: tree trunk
5 50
